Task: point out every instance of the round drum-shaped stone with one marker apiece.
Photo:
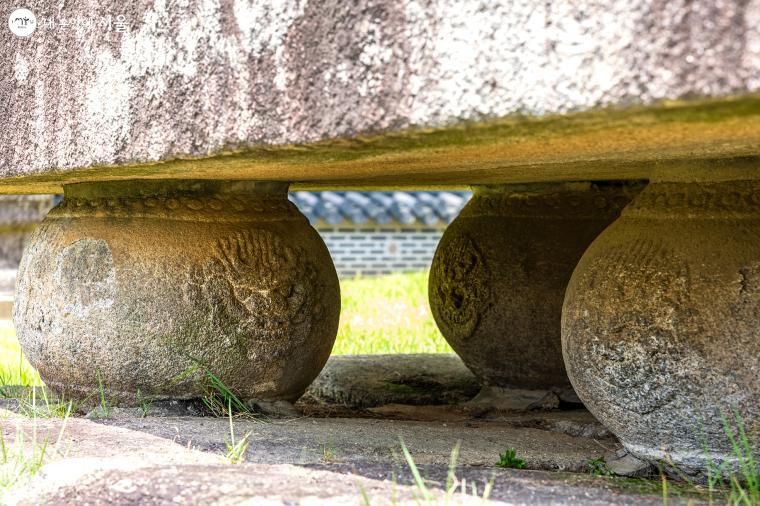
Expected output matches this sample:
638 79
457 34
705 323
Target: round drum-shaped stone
499 275
661 323
145 286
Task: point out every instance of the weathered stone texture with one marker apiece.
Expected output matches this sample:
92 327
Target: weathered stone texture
137 282
197 77
498 278
660 324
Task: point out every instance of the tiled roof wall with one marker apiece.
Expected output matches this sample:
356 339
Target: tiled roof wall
380 208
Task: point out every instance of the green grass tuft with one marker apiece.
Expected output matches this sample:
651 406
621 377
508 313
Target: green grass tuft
219 399
236 449
598 467
328 453
423 495
42 406
22 459
510 460
745 485
105 405
145 402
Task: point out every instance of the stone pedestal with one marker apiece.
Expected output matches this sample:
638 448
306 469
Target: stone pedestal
661 322
133 284
498 278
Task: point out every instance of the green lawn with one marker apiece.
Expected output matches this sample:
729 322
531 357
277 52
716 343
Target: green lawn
387 314
14 369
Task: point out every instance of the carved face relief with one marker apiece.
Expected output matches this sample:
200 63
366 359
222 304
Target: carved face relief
461 286
260 288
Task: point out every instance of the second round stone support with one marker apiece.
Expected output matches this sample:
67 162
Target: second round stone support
144 287
498 280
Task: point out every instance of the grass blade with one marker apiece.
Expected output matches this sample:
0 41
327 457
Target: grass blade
416 473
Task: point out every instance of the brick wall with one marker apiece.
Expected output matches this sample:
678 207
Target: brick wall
371 251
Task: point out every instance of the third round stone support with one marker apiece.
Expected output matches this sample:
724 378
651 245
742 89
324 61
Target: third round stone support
661 325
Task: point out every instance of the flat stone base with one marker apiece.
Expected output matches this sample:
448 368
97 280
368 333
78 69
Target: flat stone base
309 461
365 381
549 440
328 454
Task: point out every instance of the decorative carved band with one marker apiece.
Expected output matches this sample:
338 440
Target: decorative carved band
590 203
707 200
181 207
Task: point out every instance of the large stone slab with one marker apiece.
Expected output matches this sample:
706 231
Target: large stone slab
307 461
169 453
228 78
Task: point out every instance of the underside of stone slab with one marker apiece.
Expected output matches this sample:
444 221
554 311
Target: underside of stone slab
678 140
268 90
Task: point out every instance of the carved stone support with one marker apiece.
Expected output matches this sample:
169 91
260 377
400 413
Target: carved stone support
498 278
661 323
145 286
